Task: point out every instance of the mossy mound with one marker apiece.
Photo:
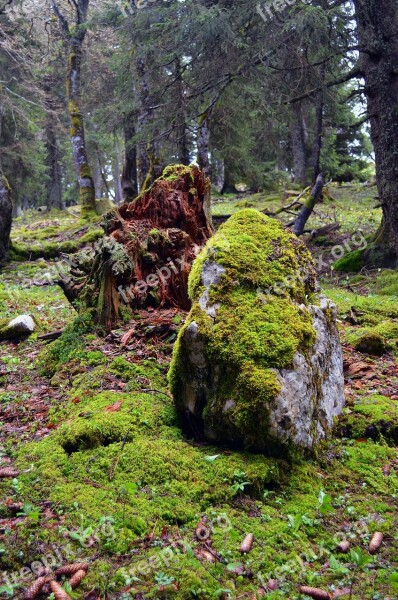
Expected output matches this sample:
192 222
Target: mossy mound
377 340
253 289
350 263
375 417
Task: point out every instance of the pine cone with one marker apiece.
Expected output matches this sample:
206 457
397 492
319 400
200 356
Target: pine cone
75 580
8 472
71 569
58 591
34 590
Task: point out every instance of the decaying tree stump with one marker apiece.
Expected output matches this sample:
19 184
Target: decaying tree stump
149 245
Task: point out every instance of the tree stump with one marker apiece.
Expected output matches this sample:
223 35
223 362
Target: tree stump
149 245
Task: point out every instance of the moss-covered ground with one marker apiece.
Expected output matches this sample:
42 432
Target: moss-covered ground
103 473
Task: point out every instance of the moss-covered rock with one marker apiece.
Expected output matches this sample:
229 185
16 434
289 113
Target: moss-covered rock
258 361
375 417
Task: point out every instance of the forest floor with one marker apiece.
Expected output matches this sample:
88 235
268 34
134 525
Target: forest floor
94 468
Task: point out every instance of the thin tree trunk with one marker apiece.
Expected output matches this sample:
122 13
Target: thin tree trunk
203 142
54 187
318 134
377 27
299 149
5 217
146 150
74 37
181 125
129 181
308 206
116 172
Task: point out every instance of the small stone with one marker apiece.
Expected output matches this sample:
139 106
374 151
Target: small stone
18 327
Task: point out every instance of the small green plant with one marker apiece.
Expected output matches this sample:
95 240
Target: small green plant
163 579
30 511
325 505
239 484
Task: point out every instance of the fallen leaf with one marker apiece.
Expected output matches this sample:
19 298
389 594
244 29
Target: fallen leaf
114 407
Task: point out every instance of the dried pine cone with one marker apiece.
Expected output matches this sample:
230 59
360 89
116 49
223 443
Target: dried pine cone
71 569
75 580
58 591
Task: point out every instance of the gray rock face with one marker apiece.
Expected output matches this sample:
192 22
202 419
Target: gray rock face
258 362
18 327
312 391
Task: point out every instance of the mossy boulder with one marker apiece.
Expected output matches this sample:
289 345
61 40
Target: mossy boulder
375 417
258 362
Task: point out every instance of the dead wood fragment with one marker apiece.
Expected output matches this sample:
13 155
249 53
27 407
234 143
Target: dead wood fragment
247 544
315 593
376 542
52 335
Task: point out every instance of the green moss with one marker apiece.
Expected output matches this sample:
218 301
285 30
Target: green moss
173 172
70 345
386 283
350 263
375 417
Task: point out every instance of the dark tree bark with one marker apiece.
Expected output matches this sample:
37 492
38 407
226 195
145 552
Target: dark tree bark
203 142
129 175
377 29
54 187
74 36
5 218
116 172
308 206
318 134
299 146
181 125
148 164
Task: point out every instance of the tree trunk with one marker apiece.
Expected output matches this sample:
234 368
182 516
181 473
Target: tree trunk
79 150
181 125
116 172
377 27
203 142
147 161
5 218
299 149
74 37
308 206
54 187
318 135
129 180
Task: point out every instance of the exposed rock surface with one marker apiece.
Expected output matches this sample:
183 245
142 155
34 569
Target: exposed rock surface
258 363
18 327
